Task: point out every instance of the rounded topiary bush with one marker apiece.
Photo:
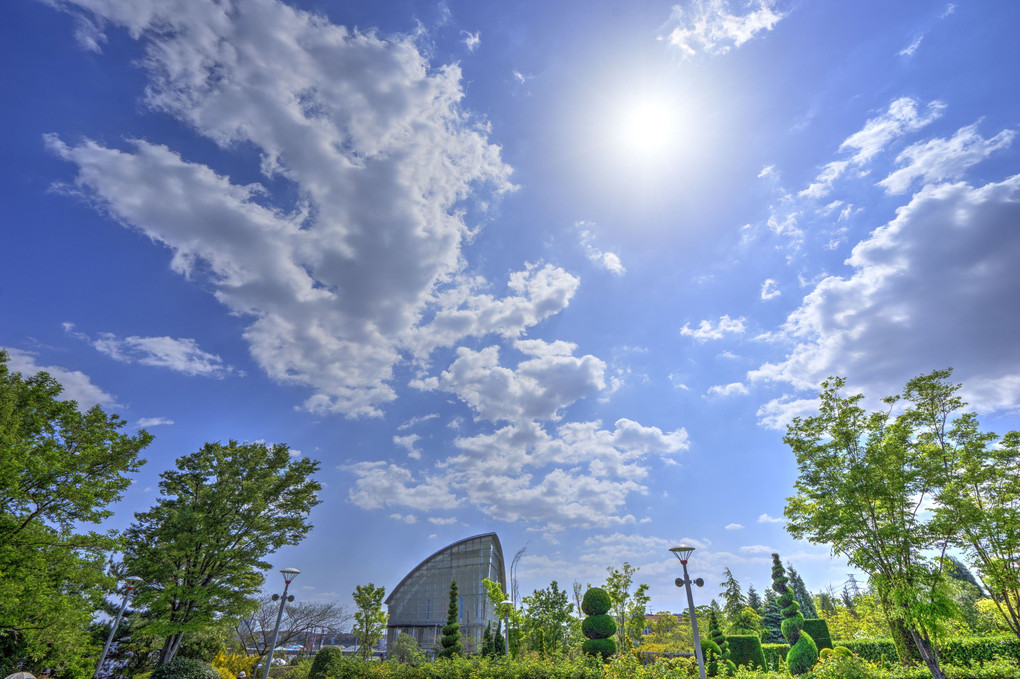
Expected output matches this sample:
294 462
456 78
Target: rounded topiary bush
596 602
185 668
802 655
329 662
599 626
599 647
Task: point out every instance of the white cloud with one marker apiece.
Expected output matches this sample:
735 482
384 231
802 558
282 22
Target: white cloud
406 518
765 518
336 285
154 421
909 50
940 159
734 526
443 522
472 40
407 442
381 485
706 330
756 549
723 390
710 26
604 260
769 289
76 385
927 291
179 354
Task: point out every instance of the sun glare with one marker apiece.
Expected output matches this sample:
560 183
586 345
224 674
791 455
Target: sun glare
647 129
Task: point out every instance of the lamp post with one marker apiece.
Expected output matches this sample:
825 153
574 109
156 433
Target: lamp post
683 552
507 605
288 575
130 580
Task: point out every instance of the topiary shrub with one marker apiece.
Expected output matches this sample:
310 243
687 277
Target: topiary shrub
818 629
451 631
873 650
185 668
803 653
746 651
329 662
598 627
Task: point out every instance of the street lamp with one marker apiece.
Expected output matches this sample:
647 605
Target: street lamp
288 575
683 552
130 580
507 605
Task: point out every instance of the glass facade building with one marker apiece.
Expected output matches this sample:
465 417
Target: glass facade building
418 605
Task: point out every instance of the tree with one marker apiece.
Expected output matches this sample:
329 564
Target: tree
203 545
598 627
369 617
801 594
746 622
772 619
406 649
515 617
547 619
628 608
732 596
754 599
451 631
864 481
718 648
299 619
803 652
60 468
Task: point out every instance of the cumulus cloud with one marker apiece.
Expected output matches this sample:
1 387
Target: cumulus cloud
712 27
407 442
927 290
707 330
179 354
380 484
756 549
77 386
765 518
769 289
734 526
336 284
732 389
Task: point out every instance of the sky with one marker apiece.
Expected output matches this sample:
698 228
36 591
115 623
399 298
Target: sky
562 271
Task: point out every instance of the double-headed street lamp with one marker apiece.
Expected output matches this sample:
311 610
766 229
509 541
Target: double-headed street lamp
683 552
131 580
288 575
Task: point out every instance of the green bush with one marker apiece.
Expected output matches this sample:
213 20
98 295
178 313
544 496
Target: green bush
819 631
745 651
803 655
596 602
873 650
330 662
600 647
775 655
185 668
837 666
966 651
598 626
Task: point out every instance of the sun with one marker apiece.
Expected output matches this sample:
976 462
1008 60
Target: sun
647 128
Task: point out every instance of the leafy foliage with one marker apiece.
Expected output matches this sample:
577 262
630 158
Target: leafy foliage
547 619
628 607
746 651
329 663
60 468
734 599
719 649
599 632
185 668
596 602
369 617
203 545
819 632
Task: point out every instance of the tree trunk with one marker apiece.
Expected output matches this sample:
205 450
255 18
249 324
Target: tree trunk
170 646
928 654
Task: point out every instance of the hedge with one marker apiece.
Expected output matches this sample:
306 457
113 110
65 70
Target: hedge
745 650
818 629
186 668
775 655
966 651
873 650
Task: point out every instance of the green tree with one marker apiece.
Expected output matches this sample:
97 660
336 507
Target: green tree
747 622
514 616
864 482
202 547
718 649
803 652
801 594
406 649
772 619
754 599
451 631
547 619
732 596
369 617
598 626
60 469
628 607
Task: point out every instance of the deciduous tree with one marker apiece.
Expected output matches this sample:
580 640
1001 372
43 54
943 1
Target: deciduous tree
628 607
369 617
202 547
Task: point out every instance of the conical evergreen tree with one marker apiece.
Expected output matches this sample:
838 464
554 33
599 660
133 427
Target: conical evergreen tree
720 648
754 599
800 593
451 631
732 596
803 653
772 619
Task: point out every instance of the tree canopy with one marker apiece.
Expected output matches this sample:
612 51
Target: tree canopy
59 468
202 547
369 617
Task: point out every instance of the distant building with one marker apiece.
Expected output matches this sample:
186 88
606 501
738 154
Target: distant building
418 605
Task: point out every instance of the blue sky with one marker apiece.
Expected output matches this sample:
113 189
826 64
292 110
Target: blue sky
558 270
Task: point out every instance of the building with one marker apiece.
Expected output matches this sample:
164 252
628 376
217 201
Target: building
418 605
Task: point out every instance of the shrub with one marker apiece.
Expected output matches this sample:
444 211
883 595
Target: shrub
745 650
965 651
598 626
819 631
838 666
873 650
330 662
599 647
596 602
185 668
